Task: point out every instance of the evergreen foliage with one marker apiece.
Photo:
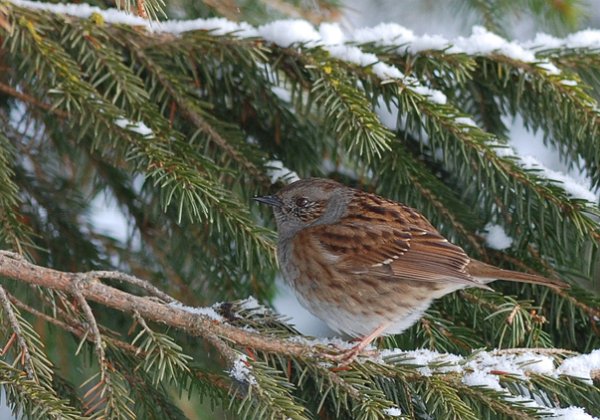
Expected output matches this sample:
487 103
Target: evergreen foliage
179 131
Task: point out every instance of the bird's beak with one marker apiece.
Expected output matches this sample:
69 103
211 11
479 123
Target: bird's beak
269 200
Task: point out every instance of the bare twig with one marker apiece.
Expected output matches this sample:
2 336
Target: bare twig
78 329
31 100
14 323
126 278
76 287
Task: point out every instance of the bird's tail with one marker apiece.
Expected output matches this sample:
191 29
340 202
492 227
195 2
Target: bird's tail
488 273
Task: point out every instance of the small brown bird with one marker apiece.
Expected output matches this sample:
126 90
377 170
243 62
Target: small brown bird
368 266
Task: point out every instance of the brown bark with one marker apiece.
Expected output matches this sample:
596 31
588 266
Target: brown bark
92 289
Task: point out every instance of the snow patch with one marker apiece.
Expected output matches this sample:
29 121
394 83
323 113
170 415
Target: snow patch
496 237
465 121
204 311
137 127
581 366
571 413
588 38
331 34
392 412
572 187
286 33
282 93
433 95
480 378
276 171
484 42
241 370
251 304
430 361
217 26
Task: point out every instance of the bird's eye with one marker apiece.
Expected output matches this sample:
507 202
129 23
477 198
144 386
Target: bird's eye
301 202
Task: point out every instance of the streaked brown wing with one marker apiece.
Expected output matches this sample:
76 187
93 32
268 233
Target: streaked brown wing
392 252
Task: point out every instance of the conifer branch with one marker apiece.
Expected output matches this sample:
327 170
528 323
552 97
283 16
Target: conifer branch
14 266
75 328
27 395
75 290
189 108
26 360
31 100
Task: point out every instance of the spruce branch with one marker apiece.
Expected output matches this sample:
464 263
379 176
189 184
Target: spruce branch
13 231
22 343
438 393
181 97
347 110
13 266
74 327
26 396
541 97
31 100
160 352
181 129
75 290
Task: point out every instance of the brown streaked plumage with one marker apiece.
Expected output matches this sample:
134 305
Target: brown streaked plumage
366 265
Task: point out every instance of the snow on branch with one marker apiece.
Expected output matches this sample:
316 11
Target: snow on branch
330 36
573 187
481 369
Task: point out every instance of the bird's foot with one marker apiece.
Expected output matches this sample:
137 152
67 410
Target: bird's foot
344 357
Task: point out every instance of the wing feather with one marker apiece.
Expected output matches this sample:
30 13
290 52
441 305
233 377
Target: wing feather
393 252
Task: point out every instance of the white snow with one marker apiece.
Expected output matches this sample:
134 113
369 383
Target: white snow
204 311
241 370
392 412
331 34
465 121
251 304
496 237
289 32
137 127
524 142
480 378
392 34
572 187
550 68
483 42
276 170
429 361
581 366
570 413
434 95
282 93
84 11
284 33
217 26
588 38
568 82
485 367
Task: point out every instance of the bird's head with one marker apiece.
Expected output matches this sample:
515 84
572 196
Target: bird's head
307 202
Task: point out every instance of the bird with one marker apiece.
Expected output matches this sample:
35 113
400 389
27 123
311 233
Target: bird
366 265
